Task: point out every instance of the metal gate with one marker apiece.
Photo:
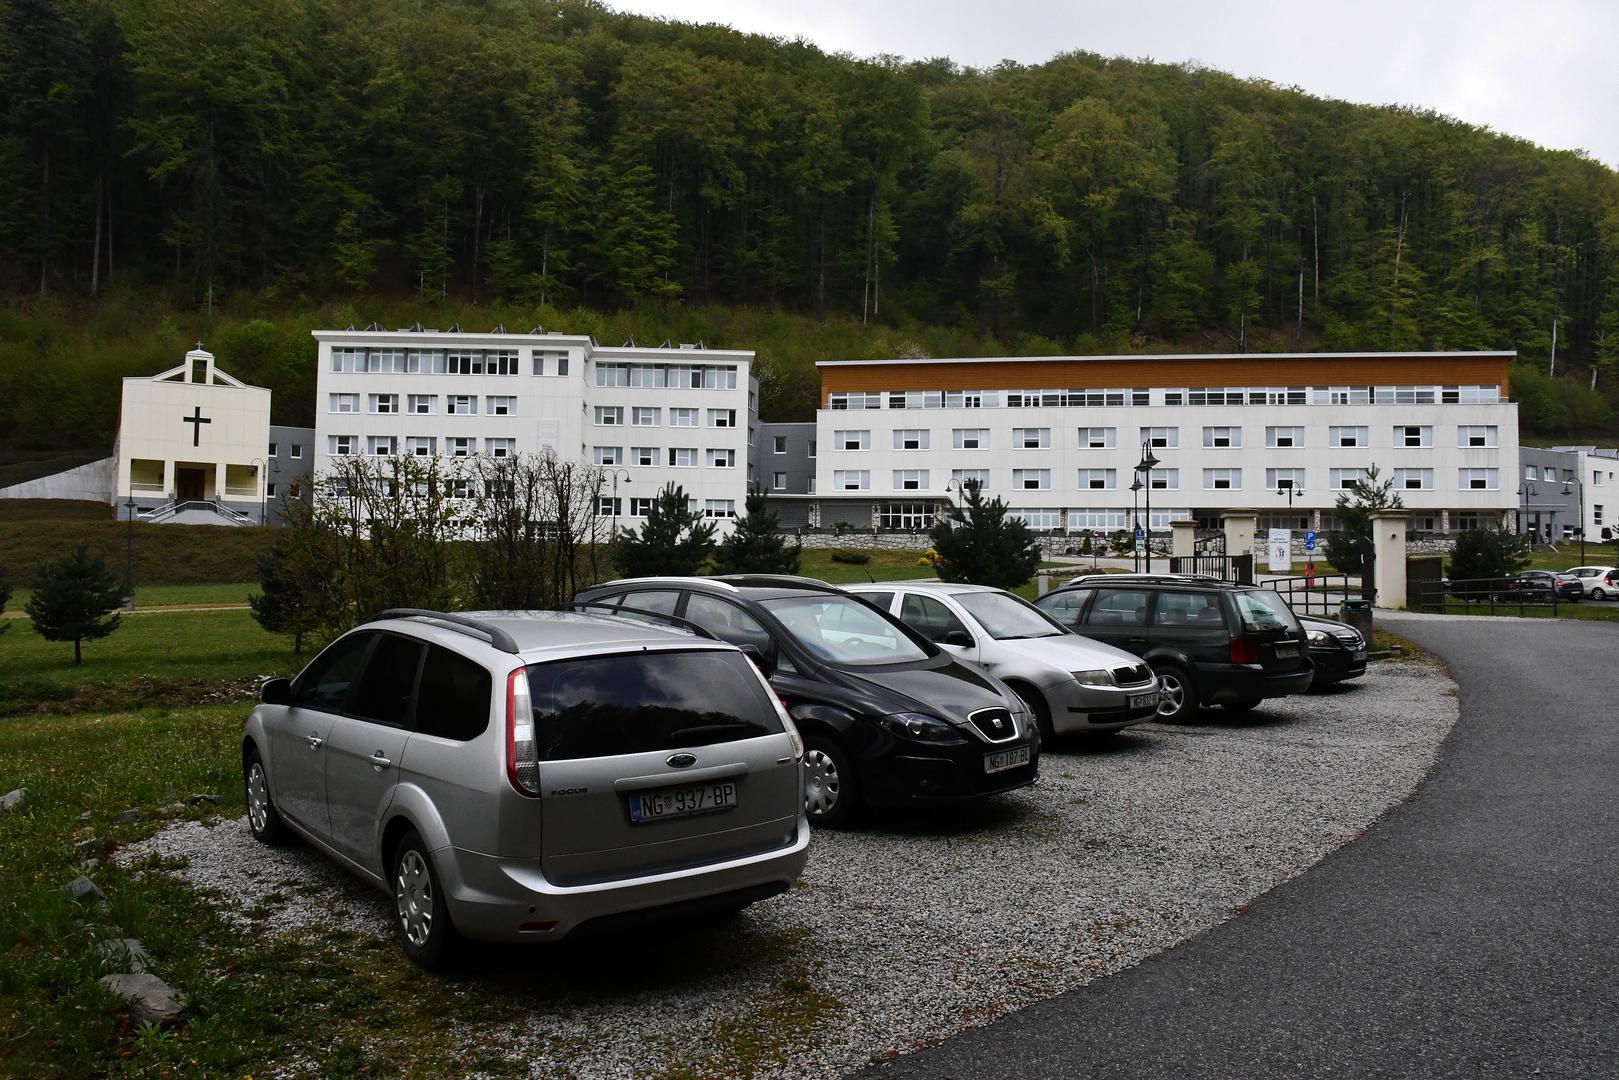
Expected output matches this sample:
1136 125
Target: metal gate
1238 568
1425 583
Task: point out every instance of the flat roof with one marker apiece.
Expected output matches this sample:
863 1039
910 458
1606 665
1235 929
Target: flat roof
1146 357
551 338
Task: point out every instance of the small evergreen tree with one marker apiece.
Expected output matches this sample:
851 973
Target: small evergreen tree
979 544
72 598
1355 506
1488 553
755 546
290 600
5 596
674 541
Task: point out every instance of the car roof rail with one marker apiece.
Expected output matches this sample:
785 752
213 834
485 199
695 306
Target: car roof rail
464 624
671 578
601 609
787 581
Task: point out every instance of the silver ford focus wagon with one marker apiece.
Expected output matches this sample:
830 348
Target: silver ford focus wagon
515 776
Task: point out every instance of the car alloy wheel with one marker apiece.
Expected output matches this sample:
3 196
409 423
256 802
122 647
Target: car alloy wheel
1598 594
413 897
1176 695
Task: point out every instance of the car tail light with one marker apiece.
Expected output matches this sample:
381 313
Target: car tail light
522 764
1244 650
1608 577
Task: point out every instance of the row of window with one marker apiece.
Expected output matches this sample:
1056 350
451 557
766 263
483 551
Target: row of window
652 416
1196 395
609 506
677 457
351 360
1215 437
416 446
1530 472
296 450
1164 479
677 376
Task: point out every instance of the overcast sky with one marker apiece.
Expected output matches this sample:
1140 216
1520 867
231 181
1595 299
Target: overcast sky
1544 70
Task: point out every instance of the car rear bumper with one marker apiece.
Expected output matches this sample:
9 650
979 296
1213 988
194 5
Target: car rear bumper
495 899
1221 684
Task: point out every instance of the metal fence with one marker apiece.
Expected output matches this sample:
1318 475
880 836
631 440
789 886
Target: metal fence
1322 594
1484 596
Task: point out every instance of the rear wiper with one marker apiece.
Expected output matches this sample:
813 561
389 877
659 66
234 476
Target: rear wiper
683 734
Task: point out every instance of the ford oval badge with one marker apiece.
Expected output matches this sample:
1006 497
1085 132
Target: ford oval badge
681 761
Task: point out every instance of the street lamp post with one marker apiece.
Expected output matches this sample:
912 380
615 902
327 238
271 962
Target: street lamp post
264 467
615 474
1145 467
1526 491
1135 516
1566 491
129 547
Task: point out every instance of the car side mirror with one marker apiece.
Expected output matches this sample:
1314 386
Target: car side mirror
763 659
957 637
276 692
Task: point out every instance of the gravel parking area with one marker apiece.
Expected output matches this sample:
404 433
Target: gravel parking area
914 928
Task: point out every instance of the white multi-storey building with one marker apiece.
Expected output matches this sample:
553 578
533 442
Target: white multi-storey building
1059 438
646 416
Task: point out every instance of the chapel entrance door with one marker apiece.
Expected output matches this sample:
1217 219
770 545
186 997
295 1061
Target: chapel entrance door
188 484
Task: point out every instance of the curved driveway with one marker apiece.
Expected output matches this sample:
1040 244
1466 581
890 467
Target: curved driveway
1473 932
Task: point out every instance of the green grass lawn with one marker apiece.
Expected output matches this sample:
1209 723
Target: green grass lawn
1568 555
885 565
150 596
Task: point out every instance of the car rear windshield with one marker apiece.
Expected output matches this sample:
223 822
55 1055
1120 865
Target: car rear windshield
632 703
840 630
1007 618
1262 609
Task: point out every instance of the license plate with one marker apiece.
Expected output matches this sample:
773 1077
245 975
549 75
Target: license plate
1360 654
1287 650
1141 701
680 801
1006 759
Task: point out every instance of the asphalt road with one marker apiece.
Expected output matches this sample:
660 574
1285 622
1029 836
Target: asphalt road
1474 932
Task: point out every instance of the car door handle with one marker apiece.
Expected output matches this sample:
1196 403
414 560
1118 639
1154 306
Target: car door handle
1138 641
315 741
381 762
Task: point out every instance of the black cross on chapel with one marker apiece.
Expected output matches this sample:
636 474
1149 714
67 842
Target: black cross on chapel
196 420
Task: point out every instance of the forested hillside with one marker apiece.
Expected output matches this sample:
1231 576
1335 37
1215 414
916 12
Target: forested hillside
207 168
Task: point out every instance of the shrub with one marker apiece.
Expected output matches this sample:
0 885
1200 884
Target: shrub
1488 553
72 598
981 544
851 558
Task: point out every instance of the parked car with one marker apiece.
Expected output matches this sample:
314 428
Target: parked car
1599 582
1070 683
1209 642
1544 584
513 777
888 717
1337 650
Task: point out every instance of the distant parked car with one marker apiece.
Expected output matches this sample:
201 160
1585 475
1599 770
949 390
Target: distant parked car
1544 584
1209 642
1599 582
1337 650
514 776
1072 684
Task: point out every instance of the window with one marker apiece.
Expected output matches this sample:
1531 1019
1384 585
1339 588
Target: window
1413 479
1188 609
683 457
1161 437
1221 479
460 446
722 418
1412 435
609 415
812 448
420 446
851 479
1282 479
609 455
383 692
910 479
1164 479
553 364
1037 517
682 417
1119 607
341 403
1531 473
423 404
500 447
452 701
1096 438
1347 436
724 620
972 438
326 682
1098 479
1477 435
931 619
852 440
1092 517
271 452
643 455
500 406
612 374
1066 605
1222 438
1031 479
719 508
1596 477
912 439
607 506
778 481
1031 438
778 444
382 445
1284 437
1549 474
1596 513
641 506
722 459
463 404
1346 479
348 359
961 477
1478 479
855 399
382 403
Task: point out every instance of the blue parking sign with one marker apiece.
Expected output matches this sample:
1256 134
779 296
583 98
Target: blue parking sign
1309 540
1140 532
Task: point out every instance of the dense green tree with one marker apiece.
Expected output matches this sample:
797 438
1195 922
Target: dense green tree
675 539
1487 553
756 545
980 544
1344 546
73 599
290 589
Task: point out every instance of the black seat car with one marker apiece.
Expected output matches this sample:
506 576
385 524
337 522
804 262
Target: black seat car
1209 642
887 716
1337 650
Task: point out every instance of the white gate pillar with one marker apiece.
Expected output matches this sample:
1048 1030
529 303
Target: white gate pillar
1388 548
